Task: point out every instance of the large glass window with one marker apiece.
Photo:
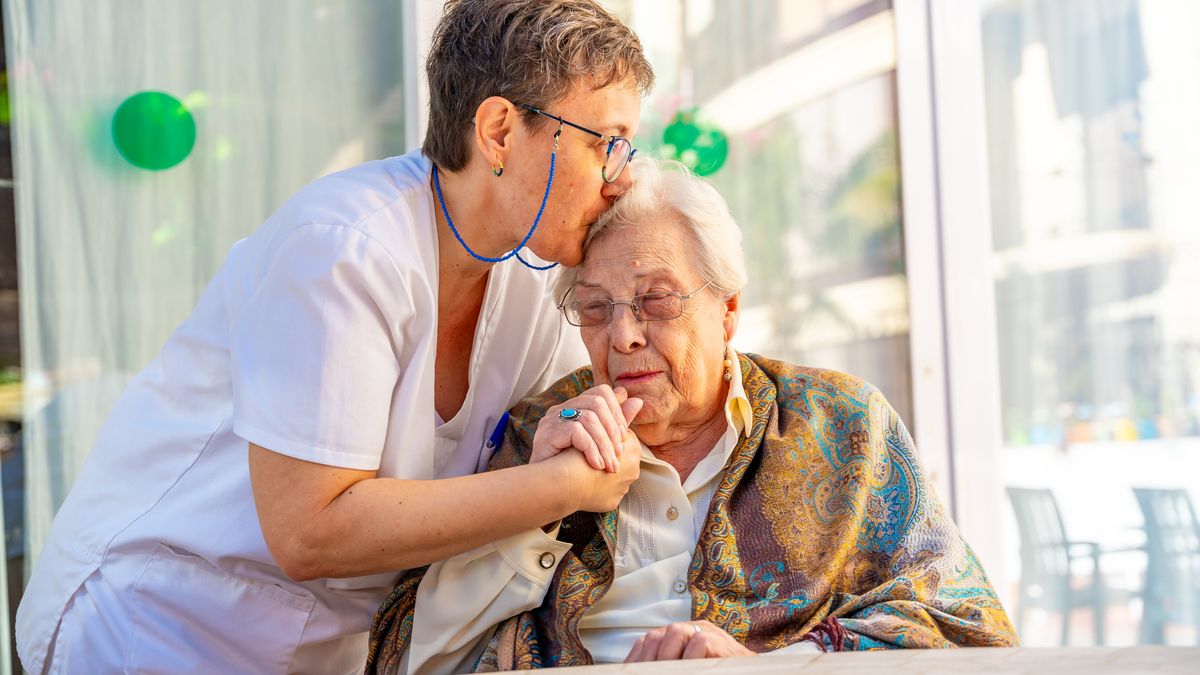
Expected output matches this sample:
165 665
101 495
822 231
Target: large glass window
1090 113
789 108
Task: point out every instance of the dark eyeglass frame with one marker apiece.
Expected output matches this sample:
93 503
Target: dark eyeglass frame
633 305
612 142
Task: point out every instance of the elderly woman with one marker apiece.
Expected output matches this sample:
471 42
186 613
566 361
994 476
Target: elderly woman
778 507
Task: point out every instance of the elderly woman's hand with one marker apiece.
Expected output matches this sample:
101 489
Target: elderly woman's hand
686 640
598 429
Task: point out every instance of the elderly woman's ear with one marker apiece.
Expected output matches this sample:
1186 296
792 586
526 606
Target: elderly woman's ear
733 310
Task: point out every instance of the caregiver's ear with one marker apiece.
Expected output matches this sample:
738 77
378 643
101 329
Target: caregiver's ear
733 311
495 120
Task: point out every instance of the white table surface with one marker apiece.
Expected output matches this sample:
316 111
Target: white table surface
1058 661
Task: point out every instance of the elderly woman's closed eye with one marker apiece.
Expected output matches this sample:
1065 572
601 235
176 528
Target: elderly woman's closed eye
777 508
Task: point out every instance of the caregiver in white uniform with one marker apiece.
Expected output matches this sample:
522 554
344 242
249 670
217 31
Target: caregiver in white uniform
314 426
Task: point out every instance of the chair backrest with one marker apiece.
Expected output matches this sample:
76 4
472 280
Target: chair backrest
1044 554
1172 542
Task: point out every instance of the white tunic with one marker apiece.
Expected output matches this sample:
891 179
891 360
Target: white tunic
316 339
461 600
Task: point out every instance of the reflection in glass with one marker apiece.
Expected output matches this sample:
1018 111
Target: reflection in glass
799 98
1090 117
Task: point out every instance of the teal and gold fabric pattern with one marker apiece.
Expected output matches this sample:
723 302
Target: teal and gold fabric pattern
822 511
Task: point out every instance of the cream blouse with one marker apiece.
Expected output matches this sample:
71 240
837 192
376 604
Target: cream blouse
461 600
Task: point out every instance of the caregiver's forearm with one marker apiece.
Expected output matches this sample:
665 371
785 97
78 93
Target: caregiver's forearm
321 521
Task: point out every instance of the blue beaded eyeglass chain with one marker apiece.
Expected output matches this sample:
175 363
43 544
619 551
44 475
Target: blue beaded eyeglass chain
437 186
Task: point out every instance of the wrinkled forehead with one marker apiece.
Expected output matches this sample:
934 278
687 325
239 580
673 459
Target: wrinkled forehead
656 249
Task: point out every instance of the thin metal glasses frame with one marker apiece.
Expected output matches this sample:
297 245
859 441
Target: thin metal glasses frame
612 141
633 305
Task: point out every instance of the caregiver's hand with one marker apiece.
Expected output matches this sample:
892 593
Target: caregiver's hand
598 430
686 640
587 489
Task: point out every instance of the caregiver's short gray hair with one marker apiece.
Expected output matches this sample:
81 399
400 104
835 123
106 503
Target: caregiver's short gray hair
666 189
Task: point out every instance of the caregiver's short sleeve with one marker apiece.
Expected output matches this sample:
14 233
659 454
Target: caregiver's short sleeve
314 354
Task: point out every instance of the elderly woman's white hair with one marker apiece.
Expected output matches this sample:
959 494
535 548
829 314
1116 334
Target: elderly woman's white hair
665 189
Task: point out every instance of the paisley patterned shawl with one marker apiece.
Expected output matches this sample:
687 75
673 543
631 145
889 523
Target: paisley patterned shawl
822 511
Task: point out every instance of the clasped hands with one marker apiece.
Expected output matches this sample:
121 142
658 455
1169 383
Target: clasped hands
598 475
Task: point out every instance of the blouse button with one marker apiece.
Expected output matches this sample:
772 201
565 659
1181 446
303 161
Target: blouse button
672 513
679 586
546 560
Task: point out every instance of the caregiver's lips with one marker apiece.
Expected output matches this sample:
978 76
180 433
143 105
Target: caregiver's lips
636 377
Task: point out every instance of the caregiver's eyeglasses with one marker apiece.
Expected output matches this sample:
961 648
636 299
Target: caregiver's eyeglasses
646 307
619 152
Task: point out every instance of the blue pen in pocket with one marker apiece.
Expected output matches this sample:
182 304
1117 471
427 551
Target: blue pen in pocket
497 437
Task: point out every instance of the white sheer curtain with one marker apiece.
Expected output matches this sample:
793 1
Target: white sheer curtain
113 257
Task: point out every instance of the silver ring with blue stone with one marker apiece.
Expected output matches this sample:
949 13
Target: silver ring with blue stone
568 415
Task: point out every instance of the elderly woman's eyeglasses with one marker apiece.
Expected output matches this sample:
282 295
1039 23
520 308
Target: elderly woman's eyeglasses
619 152
658 306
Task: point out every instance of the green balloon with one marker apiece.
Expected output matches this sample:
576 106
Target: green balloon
699 147
153 130
712 149
683 129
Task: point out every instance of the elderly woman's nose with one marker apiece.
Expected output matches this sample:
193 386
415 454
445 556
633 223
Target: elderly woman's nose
626 331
